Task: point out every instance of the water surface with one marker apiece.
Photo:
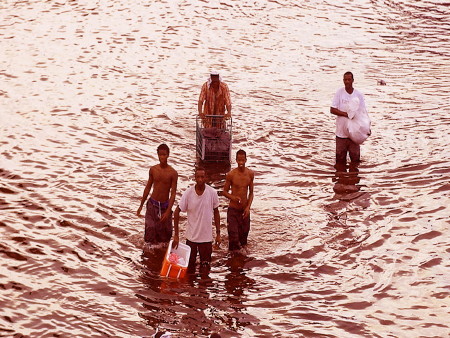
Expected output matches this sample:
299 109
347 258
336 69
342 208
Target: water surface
90 89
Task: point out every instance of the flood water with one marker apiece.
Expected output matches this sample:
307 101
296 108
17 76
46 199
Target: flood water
89 89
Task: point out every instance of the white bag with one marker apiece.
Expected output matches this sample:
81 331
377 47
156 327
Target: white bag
358 122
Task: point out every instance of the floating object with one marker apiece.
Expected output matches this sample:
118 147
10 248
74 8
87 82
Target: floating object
176 261
381 82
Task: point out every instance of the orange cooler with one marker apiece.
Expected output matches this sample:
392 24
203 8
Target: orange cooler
179 269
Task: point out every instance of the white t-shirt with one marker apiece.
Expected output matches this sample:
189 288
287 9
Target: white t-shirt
342 101
200 212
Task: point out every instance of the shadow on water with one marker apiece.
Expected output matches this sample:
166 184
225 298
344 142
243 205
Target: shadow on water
347 183
346 180
349 197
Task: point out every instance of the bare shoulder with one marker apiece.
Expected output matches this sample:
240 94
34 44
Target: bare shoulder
173 171
153 168
232 173
163 170
251 173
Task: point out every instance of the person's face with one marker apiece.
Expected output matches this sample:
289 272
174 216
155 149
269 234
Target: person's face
200 177
241 160
163 155
215 79
348 81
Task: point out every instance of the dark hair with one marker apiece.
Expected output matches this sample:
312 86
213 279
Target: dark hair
349 73
163 146
199 168
241 152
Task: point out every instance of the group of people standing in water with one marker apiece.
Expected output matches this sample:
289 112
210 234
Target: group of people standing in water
201 201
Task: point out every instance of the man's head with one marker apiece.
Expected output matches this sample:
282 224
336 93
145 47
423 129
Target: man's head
241 158
215 77
163 146
200 176
348 80
163 153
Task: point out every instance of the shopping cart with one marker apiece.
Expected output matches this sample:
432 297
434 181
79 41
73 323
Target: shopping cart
213 138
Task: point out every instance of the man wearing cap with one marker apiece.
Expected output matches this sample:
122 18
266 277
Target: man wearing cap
214 98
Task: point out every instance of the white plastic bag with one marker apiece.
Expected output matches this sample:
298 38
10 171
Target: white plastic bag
358 122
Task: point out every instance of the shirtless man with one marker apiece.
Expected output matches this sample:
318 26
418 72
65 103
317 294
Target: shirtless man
158 216
240 180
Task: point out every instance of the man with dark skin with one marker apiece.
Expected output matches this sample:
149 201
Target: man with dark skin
158 217
339 107
201 203
240 180
348 85
213 100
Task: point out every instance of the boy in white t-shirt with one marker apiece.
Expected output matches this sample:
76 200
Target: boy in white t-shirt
201 203
341 108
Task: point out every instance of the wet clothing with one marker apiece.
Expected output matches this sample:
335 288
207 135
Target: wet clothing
344 146
205 252
238 228
155 230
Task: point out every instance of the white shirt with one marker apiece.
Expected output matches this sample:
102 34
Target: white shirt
200 212
342 101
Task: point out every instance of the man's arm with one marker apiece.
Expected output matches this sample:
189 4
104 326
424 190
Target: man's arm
227 101
250 195
147 189
176 220
201 99
228 114
338 112
217 224
200 107
226 189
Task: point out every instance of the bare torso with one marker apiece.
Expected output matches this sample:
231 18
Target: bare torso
163 179
240 183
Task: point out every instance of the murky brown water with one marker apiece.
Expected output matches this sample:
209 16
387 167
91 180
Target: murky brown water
90 88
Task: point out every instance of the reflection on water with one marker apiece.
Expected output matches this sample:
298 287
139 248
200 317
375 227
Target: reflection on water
191 305
90 89
346 179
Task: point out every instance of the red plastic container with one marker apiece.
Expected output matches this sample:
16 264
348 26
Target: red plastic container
176 269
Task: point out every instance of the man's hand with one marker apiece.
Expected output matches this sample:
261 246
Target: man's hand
246 212
218 240
175 241
165 215
138 213
236 199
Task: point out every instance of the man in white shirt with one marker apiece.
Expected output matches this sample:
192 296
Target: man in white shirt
201 203
340 107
